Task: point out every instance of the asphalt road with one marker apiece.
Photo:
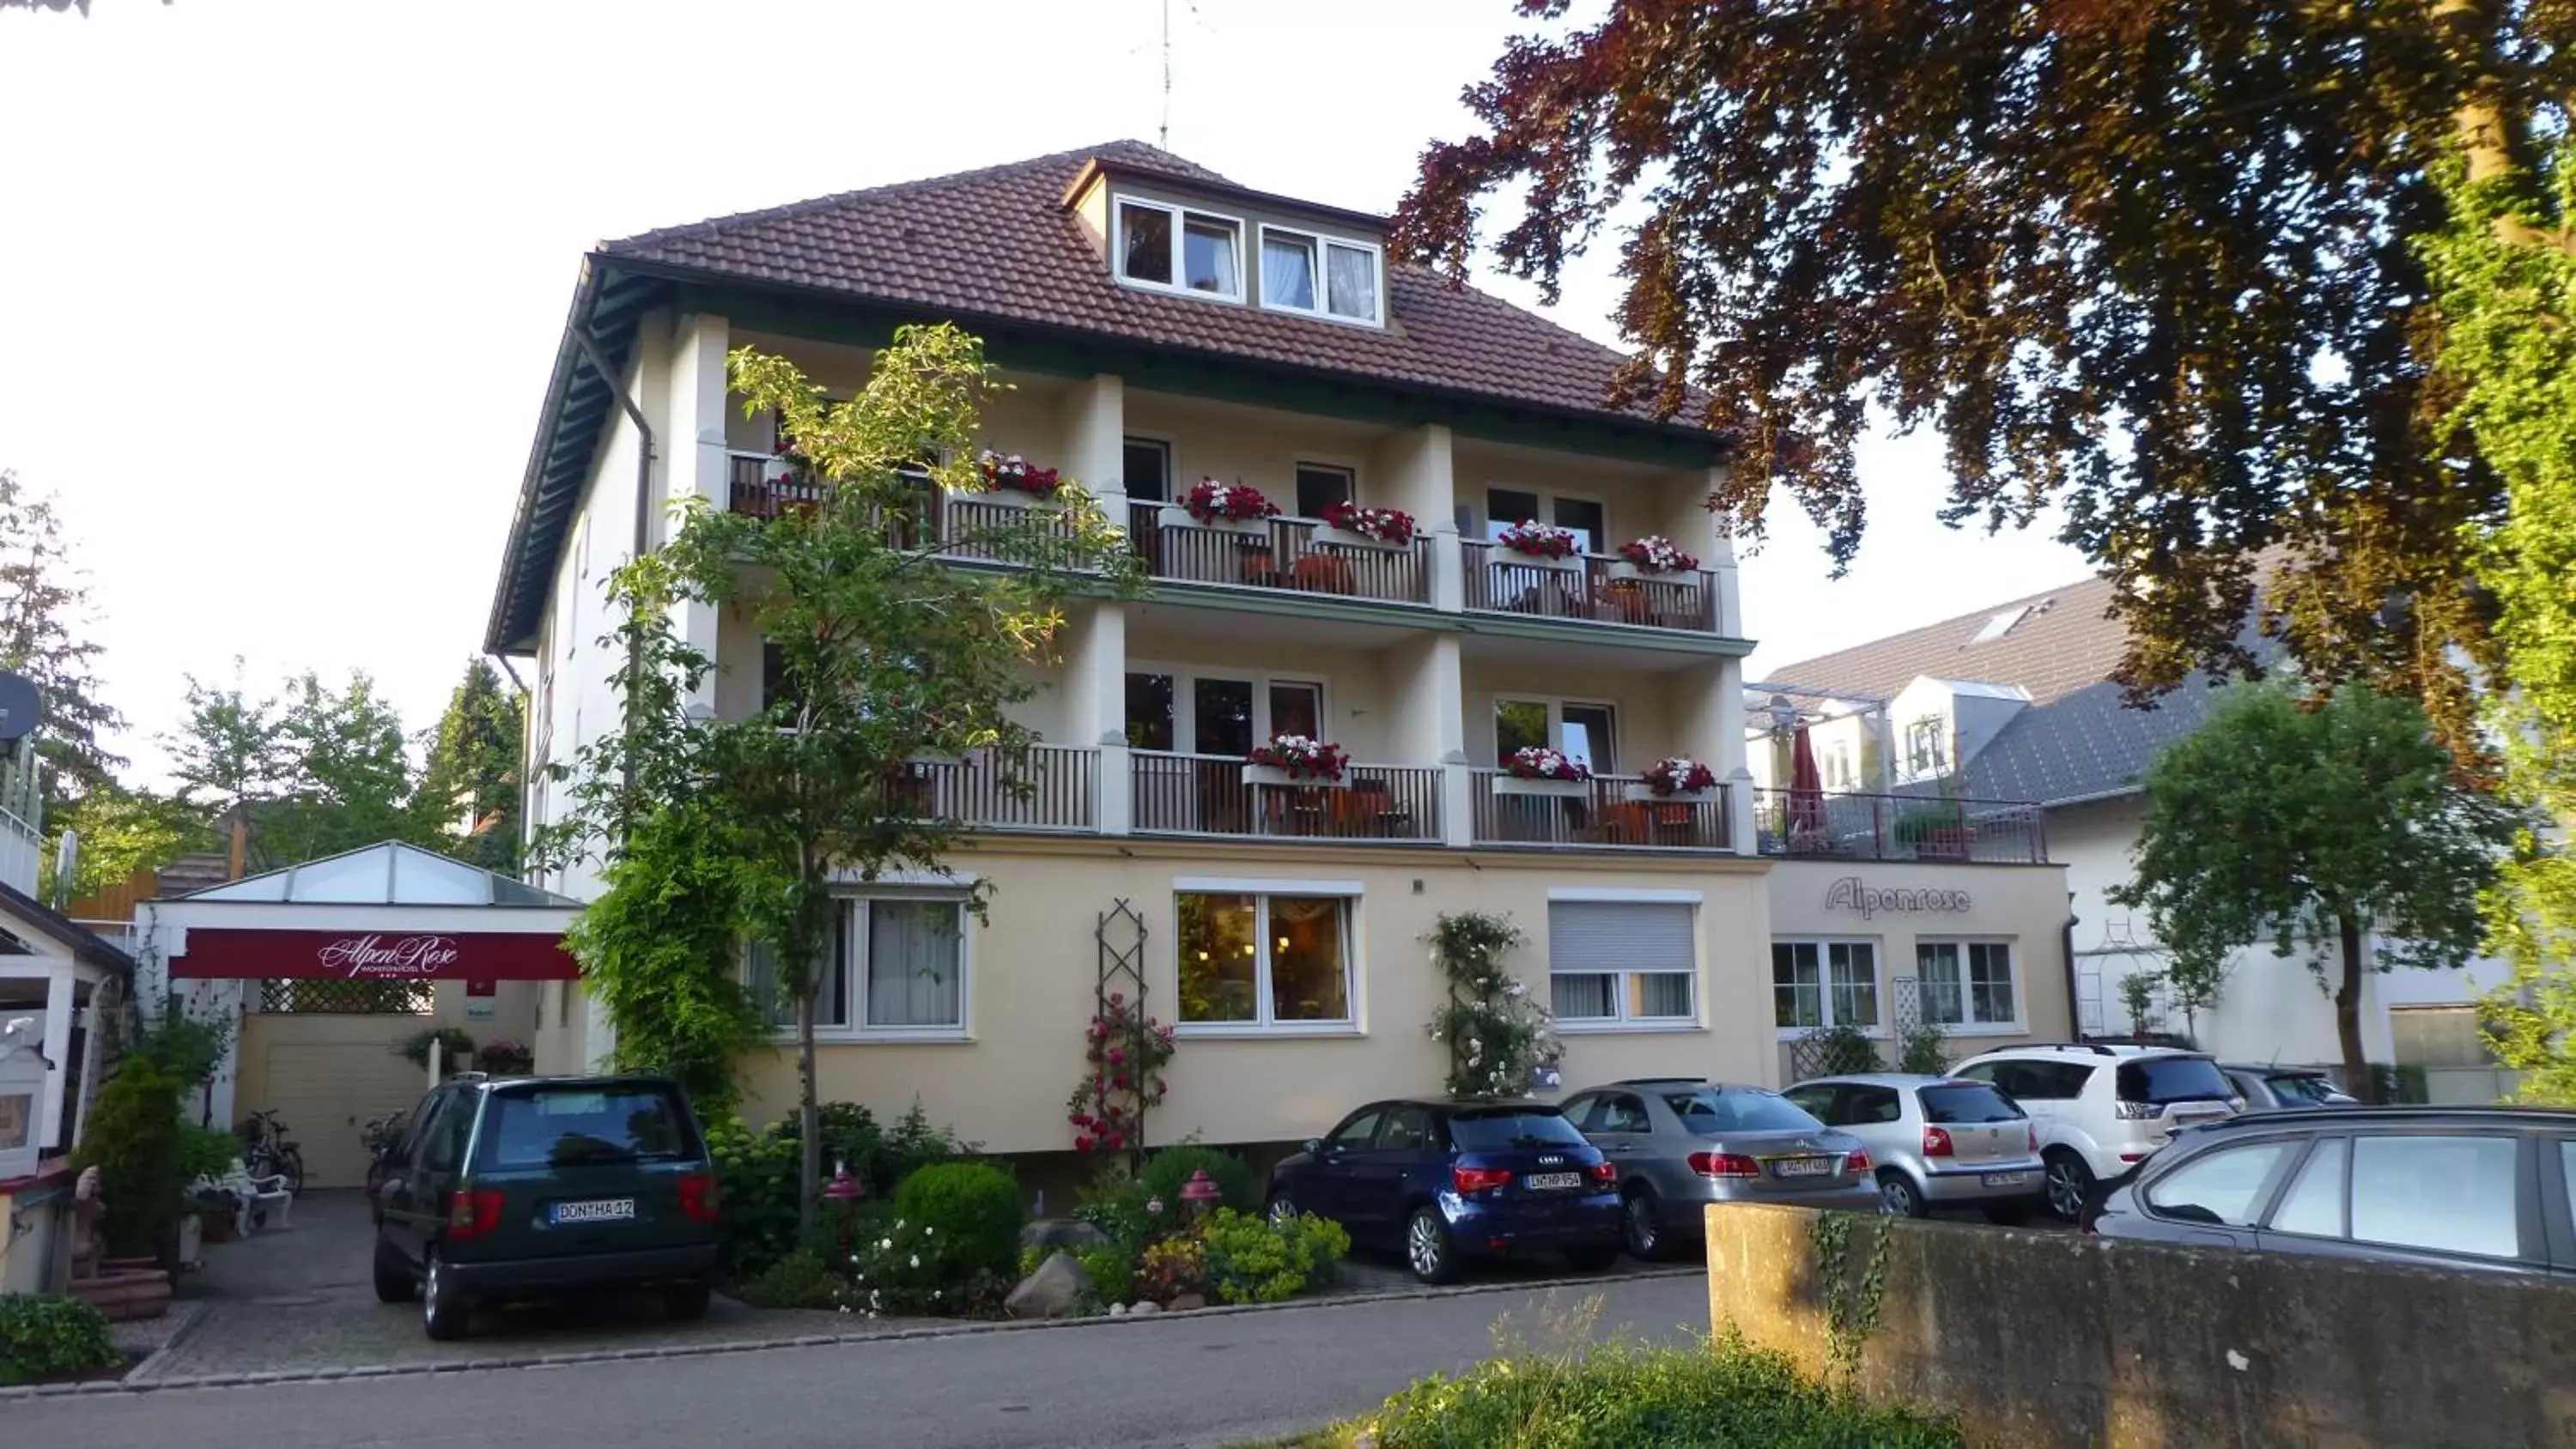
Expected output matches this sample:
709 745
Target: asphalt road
1186 1380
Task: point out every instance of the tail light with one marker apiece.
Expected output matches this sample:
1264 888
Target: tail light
1604 1173
473 1214
1724 1164
2138 1111
1936 1142
1857 1162
2034 1141
1477 1179
698 1199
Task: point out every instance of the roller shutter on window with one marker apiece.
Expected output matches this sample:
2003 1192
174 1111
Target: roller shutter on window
1619 936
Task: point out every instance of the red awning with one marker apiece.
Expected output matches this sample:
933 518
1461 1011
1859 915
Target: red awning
216 953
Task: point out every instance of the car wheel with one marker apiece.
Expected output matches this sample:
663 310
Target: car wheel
443 1315
1283 1210
1898 1197
1642 1224
686 1302
1427 1249
2008 1214
394 1283
2070 1182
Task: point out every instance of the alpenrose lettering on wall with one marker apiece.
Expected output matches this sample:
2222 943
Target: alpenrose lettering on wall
215 953
1848 894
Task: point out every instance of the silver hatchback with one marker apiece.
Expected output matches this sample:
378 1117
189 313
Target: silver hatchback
1681 1143
1937 1141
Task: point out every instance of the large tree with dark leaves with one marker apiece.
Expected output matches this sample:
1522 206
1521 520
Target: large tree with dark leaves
44 635
2155 261
470 790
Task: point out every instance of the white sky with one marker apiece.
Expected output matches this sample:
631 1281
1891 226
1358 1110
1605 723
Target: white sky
280 282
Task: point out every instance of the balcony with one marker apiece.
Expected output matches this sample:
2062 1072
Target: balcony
1052 788
1281 553
1208 795
1607 812
1809 826
1591 586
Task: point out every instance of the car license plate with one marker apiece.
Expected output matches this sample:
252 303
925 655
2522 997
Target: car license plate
597 1210
1802 1167
1554 1181
2003 1179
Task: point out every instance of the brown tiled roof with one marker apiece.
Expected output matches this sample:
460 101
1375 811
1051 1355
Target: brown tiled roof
999 243
2066 641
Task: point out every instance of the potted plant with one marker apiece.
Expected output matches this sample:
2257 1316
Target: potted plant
1295 760
505 1058
1653 554
454 1047
1543 544
1935 831
1535 770
1352 526
1012 479
1676 778
1211 504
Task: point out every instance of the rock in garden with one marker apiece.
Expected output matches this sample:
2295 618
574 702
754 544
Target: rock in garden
1061 1233
1050 1292
1117 1310
1145 1306
1187 1301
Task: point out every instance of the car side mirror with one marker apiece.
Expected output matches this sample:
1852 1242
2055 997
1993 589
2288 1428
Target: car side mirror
1312 1145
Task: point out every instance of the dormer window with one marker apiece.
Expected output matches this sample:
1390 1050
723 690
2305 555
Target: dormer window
1183 250
1319 276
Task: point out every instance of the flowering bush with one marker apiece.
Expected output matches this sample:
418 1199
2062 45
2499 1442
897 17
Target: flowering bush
1386 525
1495 1034
1301 757
1127 1050
504 1058
1539 540
1534 762
1680 775
1017 474
1656 554
912 1269
1208 500
1251 1260
1171 1268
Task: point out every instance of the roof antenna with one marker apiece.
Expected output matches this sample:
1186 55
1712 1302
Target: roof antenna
1163 137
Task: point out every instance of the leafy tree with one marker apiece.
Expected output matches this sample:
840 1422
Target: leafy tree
123 830
229 752
44 601
2154 261
472 777
2311 824
314 771
885 651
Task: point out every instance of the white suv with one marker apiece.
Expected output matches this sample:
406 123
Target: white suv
2102 1109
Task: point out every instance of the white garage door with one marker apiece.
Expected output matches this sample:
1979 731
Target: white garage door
325 1092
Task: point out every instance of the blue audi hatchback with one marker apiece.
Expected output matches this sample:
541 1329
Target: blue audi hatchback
1444 1182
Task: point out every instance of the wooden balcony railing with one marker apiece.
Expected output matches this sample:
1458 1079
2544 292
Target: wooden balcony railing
1207 795
1284 553
1819 826
1601 814
1042 787
1590 586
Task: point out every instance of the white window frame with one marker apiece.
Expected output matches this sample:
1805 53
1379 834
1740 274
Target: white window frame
853 967
1555 705
1490 528
1185 677
1789 1031
1967 994
1323 308
1264 1024
1620 1022
1323 463
1180 213
1171 464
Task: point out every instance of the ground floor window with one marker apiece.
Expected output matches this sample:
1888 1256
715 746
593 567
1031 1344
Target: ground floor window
895 966
1263 961
1966 983
1622 961
1819 984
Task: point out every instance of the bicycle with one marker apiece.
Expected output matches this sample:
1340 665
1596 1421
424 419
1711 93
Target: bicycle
380 1136
267 1153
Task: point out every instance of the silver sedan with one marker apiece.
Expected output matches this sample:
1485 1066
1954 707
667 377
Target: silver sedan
1681 1143
1937 1141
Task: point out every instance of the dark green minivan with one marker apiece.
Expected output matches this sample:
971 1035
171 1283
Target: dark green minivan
527 1186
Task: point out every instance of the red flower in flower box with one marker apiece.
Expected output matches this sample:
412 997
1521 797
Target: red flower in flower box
1386 525
1209 501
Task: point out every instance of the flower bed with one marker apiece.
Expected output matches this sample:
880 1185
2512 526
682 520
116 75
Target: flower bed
1386 525
1210 501
1532 539
1301 759
1656 554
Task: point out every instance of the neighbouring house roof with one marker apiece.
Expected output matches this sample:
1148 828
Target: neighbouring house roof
388 874
17 908
1000 251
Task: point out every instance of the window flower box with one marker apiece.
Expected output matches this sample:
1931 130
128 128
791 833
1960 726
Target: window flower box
1648 557
1535 771
1296 760
1676 778
1015 481
1540 545
1236 507
1348 525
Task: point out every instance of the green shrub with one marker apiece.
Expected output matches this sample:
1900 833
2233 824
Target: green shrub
1112 1270
43 1336
1924 1049
1249 1261
453 1042
1171 1268
205 1152
1835 1051
1169 1170
915 1268
185 1050
974 1205
1628 1397
133 1141
1127 1210
882 1156
756 1171
802 1279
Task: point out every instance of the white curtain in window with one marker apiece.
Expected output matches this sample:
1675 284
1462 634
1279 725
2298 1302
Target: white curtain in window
1287 271
1351 282
913 978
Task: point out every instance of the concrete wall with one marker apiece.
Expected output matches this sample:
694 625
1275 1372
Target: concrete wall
2039 1341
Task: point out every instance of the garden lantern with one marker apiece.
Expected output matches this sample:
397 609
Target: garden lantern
843 1187
1199 1194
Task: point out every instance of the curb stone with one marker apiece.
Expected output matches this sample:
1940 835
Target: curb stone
961 1329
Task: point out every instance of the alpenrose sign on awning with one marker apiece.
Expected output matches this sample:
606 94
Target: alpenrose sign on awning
224 954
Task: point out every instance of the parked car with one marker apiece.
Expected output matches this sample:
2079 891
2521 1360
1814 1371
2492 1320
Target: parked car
2267 1089
2483 1188
1935 1141
541 1185
1681 1143
1444 1182
2101 1109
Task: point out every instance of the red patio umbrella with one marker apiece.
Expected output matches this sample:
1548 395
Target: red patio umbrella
1806 787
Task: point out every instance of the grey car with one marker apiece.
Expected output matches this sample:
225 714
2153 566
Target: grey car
2479 1188
1936 1141
1681 1143
2269 1089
